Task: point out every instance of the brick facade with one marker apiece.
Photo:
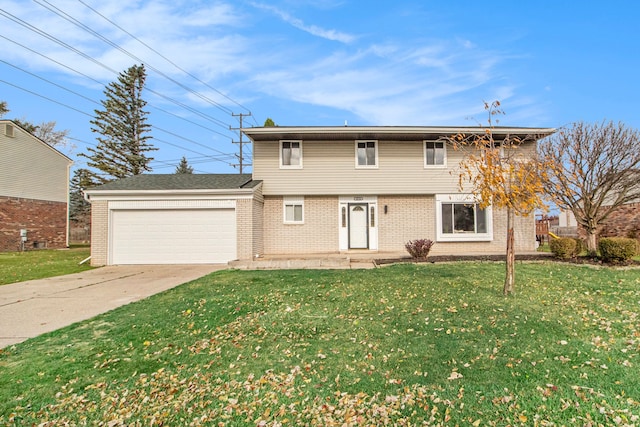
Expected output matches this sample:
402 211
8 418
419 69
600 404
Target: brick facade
249 226
623 222
318 233
45 222
406 218
99 232
414 217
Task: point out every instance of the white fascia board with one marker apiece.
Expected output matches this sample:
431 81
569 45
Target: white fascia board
276 130
244 193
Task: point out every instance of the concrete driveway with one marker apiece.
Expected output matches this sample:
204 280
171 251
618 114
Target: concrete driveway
28 309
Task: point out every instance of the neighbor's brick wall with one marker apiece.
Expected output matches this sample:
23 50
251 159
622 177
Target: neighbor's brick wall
623 222
99 232
318 234
45 222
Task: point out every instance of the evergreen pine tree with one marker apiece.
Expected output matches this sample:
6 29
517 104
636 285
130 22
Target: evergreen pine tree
79 208
183 167
122 129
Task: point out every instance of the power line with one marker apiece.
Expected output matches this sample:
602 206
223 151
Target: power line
44 97
228 155
222 124
95 102
95 61
187 139
192 151
163 57
50 82
79 24
48 36
240 142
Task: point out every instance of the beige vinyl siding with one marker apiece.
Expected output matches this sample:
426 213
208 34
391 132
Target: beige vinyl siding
31 169
329 168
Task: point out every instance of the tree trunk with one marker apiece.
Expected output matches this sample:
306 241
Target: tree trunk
509 280
592 246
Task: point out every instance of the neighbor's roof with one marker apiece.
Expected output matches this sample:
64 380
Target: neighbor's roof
398 133
179 182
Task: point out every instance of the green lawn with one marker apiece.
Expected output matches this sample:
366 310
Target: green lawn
21 266
433 344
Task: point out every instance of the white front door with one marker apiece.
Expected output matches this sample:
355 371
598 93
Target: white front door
358 226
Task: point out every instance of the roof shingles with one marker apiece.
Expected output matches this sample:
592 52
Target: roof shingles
180 182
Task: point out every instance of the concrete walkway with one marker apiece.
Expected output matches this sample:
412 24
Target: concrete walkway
28 309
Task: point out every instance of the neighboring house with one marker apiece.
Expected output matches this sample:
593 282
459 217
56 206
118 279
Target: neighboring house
314 190
34 191
622 222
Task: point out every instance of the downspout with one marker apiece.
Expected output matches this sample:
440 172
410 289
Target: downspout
88 199
68 205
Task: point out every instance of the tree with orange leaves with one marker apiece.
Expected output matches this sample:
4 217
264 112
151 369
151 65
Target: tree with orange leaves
502 175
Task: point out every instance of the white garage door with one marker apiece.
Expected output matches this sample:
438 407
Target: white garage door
173 236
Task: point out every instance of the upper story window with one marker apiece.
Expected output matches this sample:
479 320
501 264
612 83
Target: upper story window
291 154
366 154
459 218
435 153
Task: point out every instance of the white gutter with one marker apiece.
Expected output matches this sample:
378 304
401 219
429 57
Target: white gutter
96 194
392 129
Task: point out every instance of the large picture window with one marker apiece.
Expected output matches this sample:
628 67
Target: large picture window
366 154
291 154
459 218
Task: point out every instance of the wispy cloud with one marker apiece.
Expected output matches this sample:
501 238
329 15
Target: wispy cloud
315 30
393 84
378 79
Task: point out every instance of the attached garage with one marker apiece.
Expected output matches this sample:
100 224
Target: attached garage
173 236
174 219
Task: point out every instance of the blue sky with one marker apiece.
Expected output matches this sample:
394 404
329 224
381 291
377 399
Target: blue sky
324 62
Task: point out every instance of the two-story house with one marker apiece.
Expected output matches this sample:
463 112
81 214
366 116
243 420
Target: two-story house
314 190
34 191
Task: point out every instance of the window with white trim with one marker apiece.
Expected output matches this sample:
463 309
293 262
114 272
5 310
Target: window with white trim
291 154
366 154
293 208
435 153
460 218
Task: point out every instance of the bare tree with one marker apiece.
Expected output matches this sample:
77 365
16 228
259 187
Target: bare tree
593 169
47 132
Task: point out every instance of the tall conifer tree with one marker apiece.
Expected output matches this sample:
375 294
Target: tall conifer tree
122 129
79 208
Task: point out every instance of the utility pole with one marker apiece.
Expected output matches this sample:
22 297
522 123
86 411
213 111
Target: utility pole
240 142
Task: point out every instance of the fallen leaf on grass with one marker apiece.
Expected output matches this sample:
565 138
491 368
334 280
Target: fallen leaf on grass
455 375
